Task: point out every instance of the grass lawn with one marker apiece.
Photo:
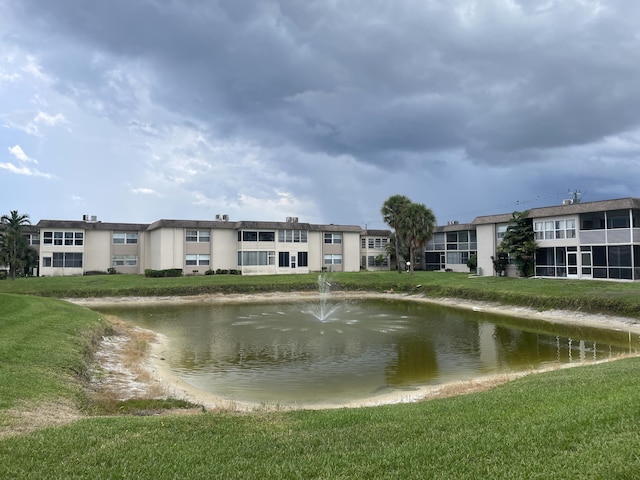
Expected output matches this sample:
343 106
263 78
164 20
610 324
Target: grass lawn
615 298
565 423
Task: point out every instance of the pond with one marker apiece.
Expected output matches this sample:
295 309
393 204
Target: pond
288 354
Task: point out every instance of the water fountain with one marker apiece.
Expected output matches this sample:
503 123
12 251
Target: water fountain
322 310
334 351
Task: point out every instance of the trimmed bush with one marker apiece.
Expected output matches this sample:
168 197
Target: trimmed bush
169 272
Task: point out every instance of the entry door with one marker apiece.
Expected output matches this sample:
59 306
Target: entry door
586 271
292 261
572 264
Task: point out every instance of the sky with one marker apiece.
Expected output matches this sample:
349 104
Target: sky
140 110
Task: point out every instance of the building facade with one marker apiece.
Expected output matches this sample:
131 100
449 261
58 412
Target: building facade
587 240
582 240
199 246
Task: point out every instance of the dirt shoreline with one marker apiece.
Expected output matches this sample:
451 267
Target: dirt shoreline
159 380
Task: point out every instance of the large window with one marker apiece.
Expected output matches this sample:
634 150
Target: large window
125 238
124 260
292 236
618 219
373 242
377 261
592 221
332 238
254 258
63 238
67 260
198 260
303 259
554 229
198 236
333 259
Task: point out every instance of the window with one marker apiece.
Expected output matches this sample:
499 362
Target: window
248 236
122 238
283 259
303 259
618 219
63 238
198 236
332 238
592 221
292 236
266 236
501 230
375 242
124 260
333 259
554 229
253 258
376 261
67 260
198 259
46 261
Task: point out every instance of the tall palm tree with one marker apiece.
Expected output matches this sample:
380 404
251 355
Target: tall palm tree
392 211
14 246
417 225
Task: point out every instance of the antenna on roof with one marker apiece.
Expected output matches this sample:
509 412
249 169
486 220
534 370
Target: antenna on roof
577 196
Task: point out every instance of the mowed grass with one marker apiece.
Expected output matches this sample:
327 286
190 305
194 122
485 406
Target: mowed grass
615 298
565 423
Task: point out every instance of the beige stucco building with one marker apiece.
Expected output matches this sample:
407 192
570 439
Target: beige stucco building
199 246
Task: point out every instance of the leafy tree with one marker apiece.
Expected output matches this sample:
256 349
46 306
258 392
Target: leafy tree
397 244
14 247
519 242
392 211
416 226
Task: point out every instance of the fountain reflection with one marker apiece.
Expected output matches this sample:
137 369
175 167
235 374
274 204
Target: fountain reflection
342 351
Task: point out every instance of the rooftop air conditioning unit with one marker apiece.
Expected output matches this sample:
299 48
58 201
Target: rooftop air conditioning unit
225 218
567 201
289 219
294 219
218 216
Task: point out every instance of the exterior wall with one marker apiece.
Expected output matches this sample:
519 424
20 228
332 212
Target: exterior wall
167 248
350 248
97 251
316 244
486 236
223 249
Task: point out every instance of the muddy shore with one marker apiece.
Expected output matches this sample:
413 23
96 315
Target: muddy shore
126 380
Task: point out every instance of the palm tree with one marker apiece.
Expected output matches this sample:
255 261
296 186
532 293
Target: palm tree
13 246
392 211
417 225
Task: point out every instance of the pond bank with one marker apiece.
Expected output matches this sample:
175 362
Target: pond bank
160 375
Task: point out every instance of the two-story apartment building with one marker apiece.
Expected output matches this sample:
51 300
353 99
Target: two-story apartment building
196 246
575 240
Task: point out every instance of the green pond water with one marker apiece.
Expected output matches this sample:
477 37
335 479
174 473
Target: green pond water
284 354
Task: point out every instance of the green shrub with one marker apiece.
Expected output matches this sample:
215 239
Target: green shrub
168 272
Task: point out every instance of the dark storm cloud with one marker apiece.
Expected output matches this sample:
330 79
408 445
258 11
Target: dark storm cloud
503 81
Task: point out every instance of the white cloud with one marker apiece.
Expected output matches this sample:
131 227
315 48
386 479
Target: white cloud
50 120
145 191
23 170
17 152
